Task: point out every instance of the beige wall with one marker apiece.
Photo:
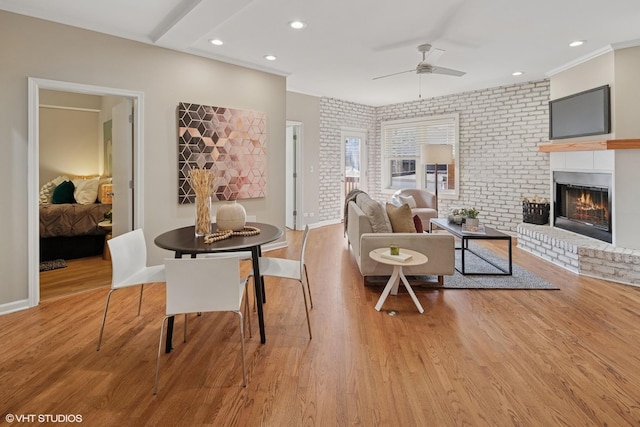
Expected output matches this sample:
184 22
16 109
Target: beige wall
306 109
35 48
68 143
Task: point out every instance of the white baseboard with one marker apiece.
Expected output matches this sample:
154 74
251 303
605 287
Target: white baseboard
14 306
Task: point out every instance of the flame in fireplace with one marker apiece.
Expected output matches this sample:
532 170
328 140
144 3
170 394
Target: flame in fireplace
587 209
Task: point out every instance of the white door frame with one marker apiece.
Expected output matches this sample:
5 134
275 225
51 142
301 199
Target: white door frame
298 175
364 160
33 165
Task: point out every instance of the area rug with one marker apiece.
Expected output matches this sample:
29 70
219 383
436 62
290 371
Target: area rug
52 265
520 279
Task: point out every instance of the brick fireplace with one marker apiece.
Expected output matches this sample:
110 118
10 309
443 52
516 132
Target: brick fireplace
594 225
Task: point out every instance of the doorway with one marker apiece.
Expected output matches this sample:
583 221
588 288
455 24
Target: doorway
293 184
133 208
353 159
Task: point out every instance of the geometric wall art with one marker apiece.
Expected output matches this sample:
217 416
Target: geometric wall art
231 143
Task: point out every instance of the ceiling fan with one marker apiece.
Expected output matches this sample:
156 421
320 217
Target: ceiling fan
429 56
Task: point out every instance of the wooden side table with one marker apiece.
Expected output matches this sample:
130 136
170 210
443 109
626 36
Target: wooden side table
394 281
106 225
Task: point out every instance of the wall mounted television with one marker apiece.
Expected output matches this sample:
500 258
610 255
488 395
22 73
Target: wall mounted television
580 114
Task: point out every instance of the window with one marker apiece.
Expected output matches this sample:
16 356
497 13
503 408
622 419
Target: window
414 149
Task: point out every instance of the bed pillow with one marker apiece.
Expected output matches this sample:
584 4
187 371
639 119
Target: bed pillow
63 193
86 191
401 218
46 192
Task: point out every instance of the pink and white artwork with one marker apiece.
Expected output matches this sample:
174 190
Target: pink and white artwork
231 143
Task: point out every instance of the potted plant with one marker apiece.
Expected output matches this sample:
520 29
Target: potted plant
471 216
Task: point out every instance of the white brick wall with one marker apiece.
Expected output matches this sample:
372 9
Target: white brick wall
500 129
334 115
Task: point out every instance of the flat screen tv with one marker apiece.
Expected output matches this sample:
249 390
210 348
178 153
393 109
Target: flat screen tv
581 114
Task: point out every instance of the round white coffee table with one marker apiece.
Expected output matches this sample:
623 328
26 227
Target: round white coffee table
394 281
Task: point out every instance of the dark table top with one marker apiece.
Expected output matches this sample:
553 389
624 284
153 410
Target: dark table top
456 230
184 240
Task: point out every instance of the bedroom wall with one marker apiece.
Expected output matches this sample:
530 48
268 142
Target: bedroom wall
35 48
68 143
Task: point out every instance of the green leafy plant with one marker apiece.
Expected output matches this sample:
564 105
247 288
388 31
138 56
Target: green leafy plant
470 212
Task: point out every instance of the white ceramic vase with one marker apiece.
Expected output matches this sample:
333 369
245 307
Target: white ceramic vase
231 216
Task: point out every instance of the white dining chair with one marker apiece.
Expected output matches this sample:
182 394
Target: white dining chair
129 268
290 269
203 285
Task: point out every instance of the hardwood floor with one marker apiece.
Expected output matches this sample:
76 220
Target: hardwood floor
568 357
80 275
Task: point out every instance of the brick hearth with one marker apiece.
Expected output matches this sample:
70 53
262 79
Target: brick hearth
580 254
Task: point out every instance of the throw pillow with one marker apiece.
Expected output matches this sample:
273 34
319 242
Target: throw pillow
46 192
401 218
375 212
408 200
63 193
86 191
418 224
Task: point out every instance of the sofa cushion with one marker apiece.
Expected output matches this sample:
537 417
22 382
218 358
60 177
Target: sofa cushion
408 200
401 218
375 212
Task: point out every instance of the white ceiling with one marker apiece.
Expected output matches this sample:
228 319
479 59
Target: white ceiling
349 42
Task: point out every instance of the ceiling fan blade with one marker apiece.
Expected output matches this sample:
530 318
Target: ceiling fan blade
395 74
447 71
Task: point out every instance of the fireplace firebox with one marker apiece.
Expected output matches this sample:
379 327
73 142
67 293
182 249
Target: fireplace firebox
582 203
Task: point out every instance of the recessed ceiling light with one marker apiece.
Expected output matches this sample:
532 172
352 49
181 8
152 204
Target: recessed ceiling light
297 25
216 42
576 43
517 73
270 57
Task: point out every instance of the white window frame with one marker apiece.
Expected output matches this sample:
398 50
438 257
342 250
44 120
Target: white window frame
422 123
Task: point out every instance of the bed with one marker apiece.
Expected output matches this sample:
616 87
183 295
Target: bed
69 222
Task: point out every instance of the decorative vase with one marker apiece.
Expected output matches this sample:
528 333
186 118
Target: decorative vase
472 222
231 216
203 215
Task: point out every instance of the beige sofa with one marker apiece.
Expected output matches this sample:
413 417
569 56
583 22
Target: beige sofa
439 248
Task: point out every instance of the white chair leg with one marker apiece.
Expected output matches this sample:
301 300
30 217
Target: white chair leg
185 327
306 308
244 369
155 386
140 301
308 284
246 306
104 318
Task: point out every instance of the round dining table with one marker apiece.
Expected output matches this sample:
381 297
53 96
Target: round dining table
183 241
